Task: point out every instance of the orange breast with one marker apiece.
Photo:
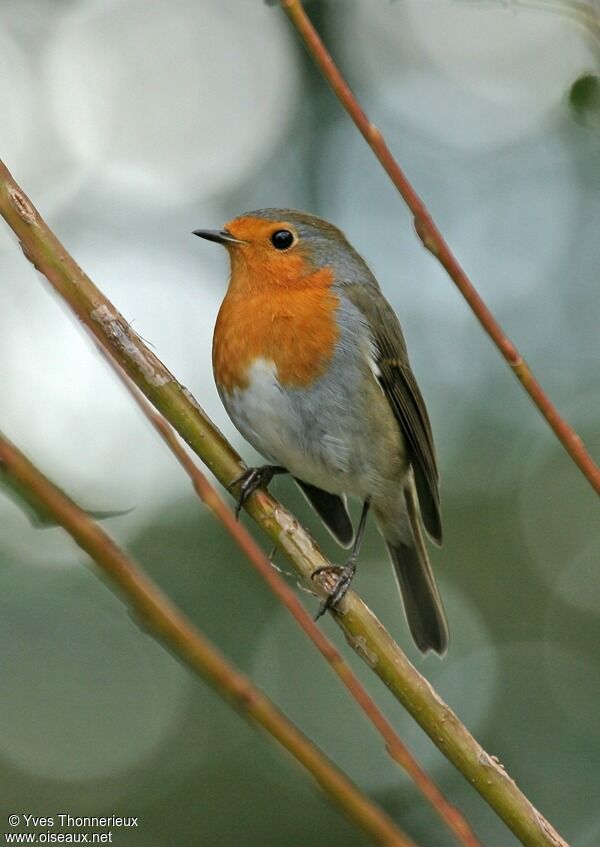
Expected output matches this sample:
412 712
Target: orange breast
292 326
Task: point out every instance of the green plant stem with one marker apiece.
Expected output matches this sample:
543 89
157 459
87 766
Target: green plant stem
398 751
362 630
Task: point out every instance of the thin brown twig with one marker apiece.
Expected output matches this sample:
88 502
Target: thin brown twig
165 621
432 240
365 634
450 815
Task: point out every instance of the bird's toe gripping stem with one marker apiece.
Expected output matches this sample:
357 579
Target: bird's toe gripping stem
250 480
345 575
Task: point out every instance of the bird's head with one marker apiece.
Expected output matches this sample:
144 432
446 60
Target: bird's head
285 247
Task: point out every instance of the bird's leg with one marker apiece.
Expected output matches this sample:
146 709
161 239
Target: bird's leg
345 574
251 479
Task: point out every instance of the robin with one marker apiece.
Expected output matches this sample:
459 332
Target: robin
311 365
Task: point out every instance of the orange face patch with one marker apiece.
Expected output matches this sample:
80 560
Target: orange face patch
278 307
256 262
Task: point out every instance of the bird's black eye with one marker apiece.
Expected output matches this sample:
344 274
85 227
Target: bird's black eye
282 239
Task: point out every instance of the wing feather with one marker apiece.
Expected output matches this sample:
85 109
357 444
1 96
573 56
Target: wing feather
393 372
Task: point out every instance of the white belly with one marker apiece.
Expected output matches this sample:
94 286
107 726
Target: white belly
335 434
286 428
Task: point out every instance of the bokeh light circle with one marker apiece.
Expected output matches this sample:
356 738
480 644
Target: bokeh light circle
214 86
479 75
85 695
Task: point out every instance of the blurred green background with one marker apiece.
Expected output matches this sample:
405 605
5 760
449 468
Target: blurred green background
130 124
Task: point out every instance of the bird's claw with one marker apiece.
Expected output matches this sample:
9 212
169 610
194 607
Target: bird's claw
250 480
345 575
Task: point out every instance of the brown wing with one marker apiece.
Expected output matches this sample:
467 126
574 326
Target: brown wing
402 391
400 387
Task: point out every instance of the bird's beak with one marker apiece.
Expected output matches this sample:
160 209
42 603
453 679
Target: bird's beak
221 236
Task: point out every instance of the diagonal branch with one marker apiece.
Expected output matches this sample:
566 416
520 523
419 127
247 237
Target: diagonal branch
166 622
432 240
362 630
452 817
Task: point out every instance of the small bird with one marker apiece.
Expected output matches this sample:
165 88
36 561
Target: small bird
311 365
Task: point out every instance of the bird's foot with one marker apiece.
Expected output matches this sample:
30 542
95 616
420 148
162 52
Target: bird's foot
251 479
345 574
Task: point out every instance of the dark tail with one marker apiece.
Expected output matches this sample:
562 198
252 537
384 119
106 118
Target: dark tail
422 603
